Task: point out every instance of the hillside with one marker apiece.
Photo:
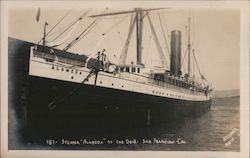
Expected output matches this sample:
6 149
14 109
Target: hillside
225 93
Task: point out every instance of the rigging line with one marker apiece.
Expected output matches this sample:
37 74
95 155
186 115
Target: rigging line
198 67
111 28
59 22
78 19
52 104
56 24
101 32
165 24
78 38
119 33
158 46
184 57
65 30
164 35
92 27
193 70
105 41
149 44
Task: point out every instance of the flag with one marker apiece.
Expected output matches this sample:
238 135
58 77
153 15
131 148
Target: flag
38 14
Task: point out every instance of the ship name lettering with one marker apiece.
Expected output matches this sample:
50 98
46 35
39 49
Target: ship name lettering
92 142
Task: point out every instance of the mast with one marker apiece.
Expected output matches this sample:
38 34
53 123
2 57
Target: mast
138 21
189 45
44 33
125 48
139 27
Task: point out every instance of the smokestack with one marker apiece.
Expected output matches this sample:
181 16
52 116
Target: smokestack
175 63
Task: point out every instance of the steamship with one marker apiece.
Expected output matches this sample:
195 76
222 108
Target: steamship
70 87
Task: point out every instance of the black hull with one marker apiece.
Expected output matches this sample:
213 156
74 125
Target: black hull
99 108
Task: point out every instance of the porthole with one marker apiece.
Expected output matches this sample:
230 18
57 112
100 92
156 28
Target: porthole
72 77
53 67
153 91
156 92
87 80
112 84
67 70
160 93
62 69
122 86
100 82
80 73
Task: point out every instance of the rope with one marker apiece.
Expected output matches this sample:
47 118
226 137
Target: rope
149 44
119 33
52 104
198 68
59 22
165 24
78 19
163 32
78 38
56 24
111 28
184 57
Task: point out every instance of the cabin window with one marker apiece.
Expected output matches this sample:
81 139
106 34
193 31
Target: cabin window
80 72
153 91
72 71
122 86
52 67
67 70
72 77
100 82
138 70
112 84
127 69
133 69
62 69
121 69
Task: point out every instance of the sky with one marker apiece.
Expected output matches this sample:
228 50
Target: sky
215 36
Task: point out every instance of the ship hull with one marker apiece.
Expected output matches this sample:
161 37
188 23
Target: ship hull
93 108
90 108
